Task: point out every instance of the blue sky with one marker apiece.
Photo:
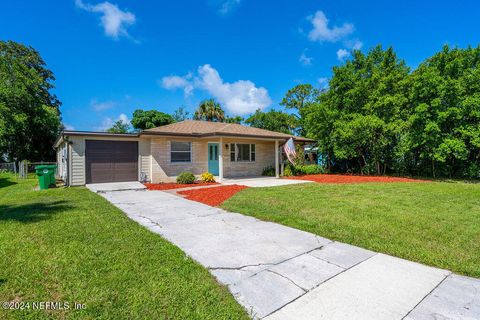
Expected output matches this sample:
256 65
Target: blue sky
110 58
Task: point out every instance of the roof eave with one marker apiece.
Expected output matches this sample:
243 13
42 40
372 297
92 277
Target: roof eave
213 134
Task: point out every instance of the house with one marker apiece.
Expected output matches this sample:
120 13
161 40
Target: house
160 154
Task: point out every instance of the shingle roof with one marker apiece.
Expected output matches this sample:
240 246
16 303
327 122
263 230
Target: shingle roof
207 128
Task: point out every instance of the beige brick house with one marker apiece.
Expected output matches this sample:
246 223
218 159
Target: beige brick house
160 154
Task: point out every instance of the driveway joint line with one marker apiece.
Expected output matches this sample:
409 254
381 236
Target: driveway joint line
316 286
428 294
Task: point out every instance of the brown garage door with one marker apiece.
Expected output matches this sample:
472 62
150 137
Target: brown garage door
111 161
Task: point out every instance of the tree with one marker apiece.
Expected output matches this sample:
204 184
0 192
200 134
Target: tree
29 113
209 110
361 118
300 98
180 114
444 123
236 119
150 119
273 120
119 127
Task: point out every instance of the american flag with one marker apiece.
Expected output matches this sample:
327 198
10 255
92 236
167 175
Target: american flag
289 148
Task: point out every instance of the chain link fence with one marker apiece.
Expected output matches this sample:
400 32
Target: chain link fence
22 168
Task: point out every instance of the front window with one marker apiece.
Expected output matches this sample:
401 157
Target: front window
242 152
181 151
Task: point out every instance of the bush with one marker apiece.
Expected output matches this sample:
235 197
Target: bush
268 171
287 172
307 169
186 178
207 177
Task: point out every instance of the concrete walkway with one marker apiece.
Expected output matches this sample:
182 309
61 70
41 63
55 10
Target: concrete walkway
260 182
115 186
277 272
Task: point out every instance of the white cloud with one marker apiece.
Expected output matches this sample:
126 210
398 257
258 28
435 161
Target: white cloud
357 45
101 106
322 32
226 6
342 54
108 122
323 82
178 82
354 44
113 20
304 59
123 117
239 98
68 126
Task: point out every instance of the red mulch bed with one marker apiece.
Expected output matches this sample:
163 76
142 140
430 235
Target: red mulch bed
340 178
173 185
212 196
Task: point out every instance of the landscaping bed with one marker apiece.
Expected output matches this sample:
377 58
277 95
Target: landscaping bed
174 185
212 196
70 244
344 179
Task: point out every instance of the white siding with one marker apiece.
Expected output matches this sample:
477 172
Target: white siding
62 158
77 161
145 158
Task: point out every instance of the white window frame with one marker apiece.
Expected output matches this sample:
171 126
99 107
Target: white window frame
250 152
189 151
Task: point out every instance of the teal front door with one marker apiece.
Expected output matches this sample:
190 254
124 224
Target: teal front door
213 158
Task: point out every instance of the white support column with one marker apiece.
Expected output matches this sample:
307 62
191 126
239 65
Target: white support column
220 160
277 174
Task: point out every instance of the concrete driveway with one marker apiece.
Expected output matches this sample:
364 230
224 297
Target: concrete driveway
277 272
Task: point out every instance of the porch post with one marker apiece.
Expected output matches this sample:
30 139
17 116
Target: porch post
220 160
277 174
282 164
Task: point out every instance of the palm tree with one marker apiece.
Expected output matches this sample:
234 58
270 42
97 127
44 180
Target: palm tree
209 110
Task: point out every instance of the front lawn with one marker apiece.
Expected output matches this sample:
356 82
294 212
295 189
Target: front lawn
434 223
71 245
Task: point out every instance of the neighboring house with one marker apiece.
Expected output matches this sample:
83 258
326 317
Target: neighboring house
160 154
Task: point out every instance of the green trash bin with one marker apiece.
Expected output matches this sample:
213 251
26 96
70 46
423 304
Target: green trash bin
46 175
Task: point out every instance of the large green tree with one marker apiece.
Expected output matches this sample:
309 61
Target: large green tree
29 112
209 110
360 118
273 120
444 123
147 119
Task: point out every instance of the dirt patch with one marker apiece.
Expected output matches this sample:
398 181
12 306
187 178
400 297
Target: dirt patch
212 196
173 185
340 178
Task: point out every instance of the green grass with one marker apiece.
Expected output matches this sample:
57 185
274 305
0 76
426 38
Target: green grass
433 223
72 245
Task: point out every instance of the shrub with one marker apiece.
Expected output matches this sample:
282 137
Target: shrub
186 178
268 171
307 169
207 177
287 172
